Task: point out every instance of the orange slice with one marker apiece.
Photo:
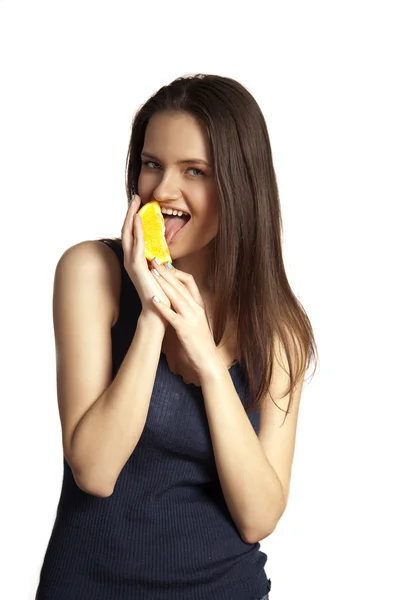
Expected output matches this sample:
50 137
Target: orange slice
155 245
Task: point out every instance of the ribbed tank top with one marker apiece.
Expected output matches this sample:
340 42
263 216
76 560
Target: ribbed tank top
165 533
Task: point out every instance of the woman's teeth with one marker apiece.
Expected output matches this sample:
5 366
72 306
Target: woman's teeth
175 213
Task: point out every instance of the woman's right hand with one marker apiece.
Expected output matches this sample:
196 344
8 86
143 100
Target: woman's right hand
136 264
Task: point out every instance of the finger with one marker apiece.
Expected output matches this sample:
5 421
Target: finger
138 242
127 227
179 298
188 281
178 294
169 315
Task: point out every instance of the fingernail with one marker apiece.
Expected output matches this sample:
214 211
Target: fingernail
158 261
169 265
156 273
156 299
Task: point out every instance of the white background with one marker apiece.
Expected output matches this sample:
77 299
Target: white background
325 74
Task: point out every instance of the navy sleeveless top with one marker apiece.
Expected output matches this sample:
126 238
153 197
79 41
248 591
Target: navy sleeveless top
165 533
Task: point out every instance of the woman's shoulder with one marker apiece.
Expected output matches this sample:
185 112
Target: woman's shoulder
100 259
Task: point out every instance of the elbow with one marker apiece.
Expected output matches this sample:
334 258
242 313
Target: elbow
256 534
255 537
92 485
90 480
94 488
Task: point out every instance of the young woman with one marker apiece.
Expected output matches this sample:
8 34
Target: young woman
172 379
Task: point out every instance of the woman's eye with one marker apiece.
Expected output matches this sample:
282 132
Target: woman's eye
198 170
148 163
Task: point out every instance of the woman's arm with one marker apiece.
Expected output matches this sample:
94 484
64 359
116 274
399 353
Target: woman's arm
102 419
108 433
251 487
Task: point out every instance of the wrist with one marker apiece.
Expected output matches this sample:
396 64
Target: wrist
152 322
215 369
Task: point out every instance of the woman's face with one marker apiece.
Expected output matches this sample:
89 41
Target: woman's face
173 137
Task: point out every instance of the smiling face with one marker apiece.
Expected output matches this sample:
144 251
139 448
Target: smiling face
170 139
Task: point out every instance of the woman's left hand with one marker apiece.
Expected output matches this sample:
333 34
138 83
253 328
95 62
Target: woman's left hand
187 315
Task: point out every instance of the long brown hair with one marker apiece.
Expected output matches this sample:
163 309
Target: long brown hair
247 272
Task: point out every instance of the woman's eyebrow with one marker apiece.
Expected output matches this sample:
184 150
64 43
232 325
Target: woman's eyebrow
186 161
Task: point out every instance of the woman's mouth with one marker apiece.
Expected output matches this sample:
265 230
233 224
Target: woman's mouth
173 225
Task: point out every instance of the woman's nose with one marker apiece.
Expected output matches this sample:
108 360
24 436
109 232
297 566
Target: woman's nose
167 189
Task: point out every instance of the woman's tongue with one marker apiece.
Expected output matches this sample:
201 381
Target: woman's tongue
173 225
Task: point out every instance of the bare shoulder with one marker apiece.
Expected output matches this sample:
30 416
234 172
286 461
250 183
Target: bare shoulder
92 258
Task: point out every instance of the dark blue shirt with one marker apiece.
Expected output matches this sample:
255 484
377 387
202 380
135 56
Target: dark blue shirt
166 532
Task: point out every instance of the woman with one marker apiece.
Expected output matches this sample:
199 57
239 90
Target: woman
172 379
